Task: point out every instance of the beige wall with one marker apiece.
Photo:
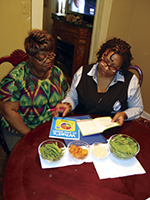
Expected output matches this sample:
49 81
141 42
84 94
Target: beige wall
37 14
50 7
129 20
15 22
14 25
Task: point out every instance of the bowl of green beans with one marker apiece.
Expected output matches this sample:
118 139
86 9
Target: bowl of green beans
123 146
52 150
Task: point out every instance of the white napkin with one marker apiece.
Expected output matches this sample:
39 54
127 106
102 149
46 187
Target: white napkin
109 167
65 161
112 167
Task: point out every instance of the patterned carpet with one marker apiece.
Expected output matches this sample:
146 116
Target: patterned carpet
142 121
3 162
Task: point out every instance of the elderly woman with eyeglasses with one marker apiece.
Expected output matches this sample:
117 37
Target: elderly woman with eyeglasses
31 88
106 88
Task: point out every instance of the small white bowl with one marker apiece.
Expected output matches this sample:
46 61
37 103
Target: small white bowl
100 150
77 145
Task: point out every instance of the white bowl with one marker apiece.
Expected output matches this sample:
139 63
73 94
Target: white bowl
100 150
78 145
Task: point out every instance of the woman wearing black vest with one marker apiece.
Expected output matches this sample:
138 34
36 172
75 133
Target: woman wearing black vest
106 88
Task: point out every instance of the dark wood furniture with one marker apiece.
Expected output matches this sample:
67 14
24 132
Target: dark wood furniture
79 37
25 179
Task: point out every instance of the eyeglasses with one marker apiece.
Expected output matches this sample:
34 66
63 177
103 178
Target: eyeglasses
43 60
111 67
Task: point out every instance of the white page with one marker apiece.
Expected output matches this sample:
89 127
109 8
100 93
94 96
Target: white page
88 127
97 125
104 123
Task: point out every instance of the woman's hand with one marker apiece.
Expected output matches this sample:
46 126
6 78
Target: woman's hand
119 117
61 108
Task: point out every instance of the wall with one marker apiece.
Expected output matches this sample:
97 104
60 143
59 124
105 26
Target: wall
140 26
17 18
15 22
37 14
100 26
129 20
50 6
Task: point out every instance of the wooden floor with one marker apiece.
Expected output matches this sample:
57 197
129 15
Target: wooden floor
3 162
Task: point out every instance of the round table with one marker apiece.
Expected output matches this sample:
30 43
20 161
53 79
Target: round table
25 179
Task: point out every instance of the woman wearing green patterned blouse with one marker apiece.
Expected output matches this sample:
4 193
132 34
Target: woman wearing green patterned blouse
31 88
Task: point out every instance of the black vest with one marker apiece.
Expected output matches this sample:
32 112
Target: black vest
105 104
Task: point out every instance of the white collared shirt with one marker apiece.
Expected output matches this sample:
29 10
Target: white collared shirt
135 104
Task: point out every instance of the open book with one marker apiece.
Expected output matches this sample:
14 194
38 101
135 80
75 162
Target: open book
97 125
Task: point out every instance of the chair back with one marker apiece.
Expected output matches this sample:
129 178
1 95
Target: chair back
139 71
15 57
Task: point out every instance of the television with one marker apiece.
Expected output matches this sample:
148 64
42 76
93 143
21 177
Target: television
86 8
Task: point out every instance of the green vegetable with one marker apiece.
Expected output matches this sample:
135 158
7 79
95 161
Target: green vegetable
51 151
124 145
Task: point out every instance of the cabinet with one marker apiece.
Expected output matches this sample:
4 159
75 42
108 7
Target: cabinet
72 35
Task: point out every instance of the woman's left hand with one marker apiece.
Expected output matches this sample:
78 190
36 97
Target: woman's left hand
119 117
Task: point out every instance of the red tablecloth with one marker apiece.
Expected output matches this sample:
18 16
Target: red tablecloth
25 179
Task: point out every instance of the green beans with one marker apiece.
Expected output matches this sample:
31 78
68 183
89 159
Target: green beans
124 145
51 151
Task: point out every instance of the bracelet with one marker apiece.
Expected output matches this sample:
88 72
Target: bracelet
69 104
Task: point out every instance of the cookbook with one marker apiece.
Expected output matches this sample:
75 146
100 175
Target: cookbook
64 128
90 139
97 125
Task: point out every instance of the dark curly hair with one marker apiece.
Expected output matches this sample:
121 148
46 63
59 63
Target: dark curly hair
118 46
38 40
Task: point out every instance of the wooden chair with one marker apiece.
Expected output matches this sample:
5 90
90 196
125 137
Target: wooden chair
139 72
14 58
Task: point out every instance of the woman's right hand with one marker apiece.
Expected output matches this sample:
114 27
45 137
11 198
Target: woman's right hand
119 117
61 108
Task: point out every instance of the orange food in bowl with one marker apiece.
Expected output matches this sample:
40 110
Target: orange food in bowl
77 151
